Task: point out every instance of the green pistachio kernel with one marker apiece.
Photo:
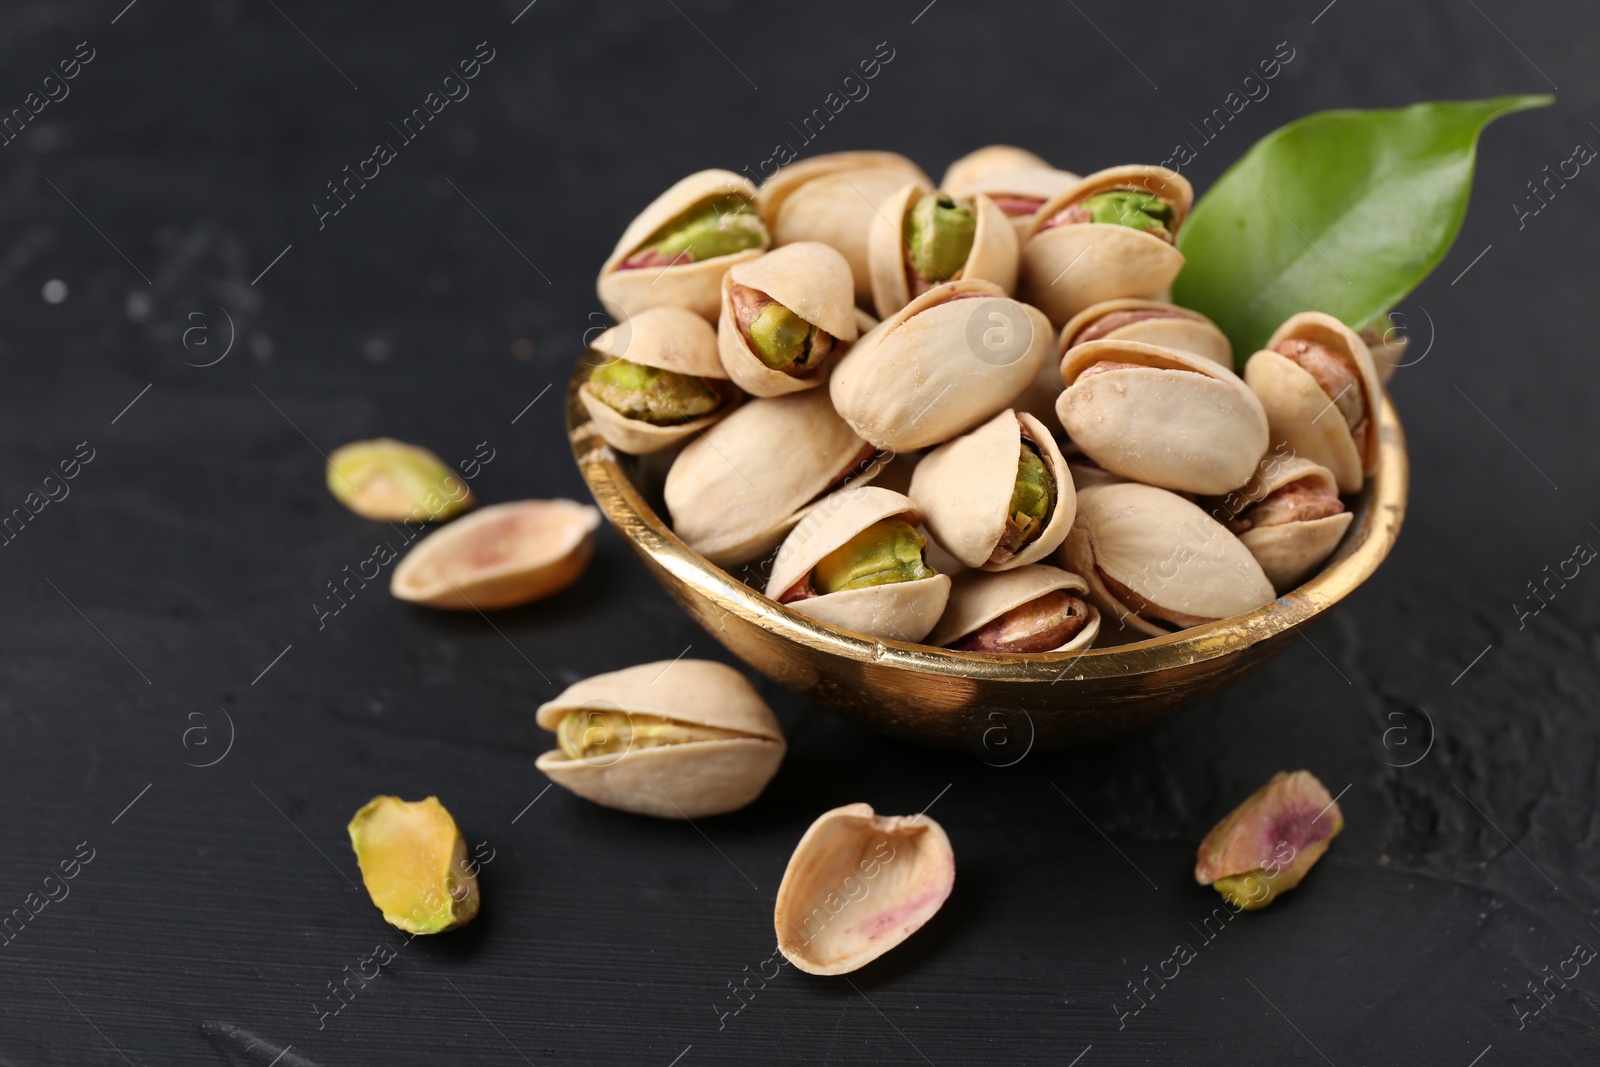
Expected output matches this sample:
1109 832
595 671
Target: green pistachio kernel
590 733
885 552
650 394
1127 207
1033 501
781 338
939 232
718 227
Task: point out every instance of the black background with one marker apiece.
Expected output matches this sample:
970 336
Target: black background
193 547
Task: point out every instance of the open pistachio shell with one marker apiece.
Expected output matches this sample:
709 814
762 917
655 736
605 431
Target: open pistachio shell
857 885
692 285
1157 563
993 256
675 739
901 611
977 599
810 279
952 358
1301 412
965 489
986 162
1170 419
1018 188
1288 546
499 556
1066 268
735 491
1151 322
833 199
414 864
672 339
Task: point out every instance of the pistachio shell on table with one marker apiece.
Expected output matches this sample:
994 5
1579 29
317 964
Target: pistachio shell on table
1152 322
1031 609
674 405
920 239
785 317
499 556
1160 416
414 864
954 357
391 481
677 739
857 885
1290 518
1268 844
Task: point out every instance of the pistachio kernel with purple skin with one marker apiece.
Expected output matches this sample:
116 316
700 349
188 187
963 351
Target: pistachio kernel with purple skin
650 394
1033 501
1042 624
1133 208
1266 845
779 338
1304 500
1335 375
884 553
717 227
939 232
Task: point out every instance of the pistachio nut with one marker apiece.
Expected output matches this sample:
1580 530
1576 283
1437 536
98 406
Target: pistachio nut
1018 182
1031 609
859 884
1266 845
662 381
921 238
414 864
1319 387
953 357
856 561
1108 237
998 497
984 163
785 317
1290 517
675 253
1160 416
736 490
833 199
500 556
678 739
392 481
1157 563
1152 322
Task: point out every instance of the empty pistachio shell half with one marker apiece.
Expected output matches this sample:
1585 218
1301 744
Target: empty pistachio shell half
1028 610
1157 563
1108 237
954 357
500 556
1000 496
675 253
1320 390
857 885
785 317
1160 416
856 561
1150 322
392 481
414 864
1266 845
661 381
921 238
675 739
833 199
1290 517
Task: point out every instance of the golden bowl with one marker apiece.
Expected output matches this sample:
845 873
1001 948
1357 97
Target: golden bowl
1004 705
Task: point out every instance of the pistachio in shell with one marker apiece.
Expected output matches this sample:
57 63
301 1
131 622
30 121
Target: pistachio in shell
921 238
1290 518
784 317
857 885
500 556
414 864
659 381
677 739
984 163
1031 609
391 481
1266 845
1151 322
1018 182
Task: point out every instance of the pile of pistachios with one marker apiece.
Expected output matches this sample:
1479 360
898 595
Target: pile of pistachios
969 415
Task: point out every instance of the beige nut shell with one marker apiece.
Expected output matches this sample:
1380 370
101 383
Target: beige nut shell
978 598
1182 329
1176 420
1289 551
809 278
673 339
859 884
901 611
499 556
984 163
1039 182
964 490
686 285
917 379
679 781
993 257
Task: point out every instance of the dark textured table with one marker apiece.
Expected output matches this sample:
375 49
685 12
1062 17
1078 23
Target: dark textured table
187 722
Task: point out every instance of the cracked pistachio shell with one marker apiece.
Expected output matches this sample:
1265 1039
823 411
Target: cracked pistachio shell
833 199
954 357
413 862
812 280
1295 403
687 285
857 885
1171 556
1013 179
1155 322
1068 268
964 491
978 598
732 745
735 491
391 481
1289 551
1266 845
499 556
993 257
900 611
672 339
1174 420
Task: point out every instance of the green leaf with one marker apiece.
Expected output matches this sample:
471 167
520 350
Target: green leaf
1342 211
